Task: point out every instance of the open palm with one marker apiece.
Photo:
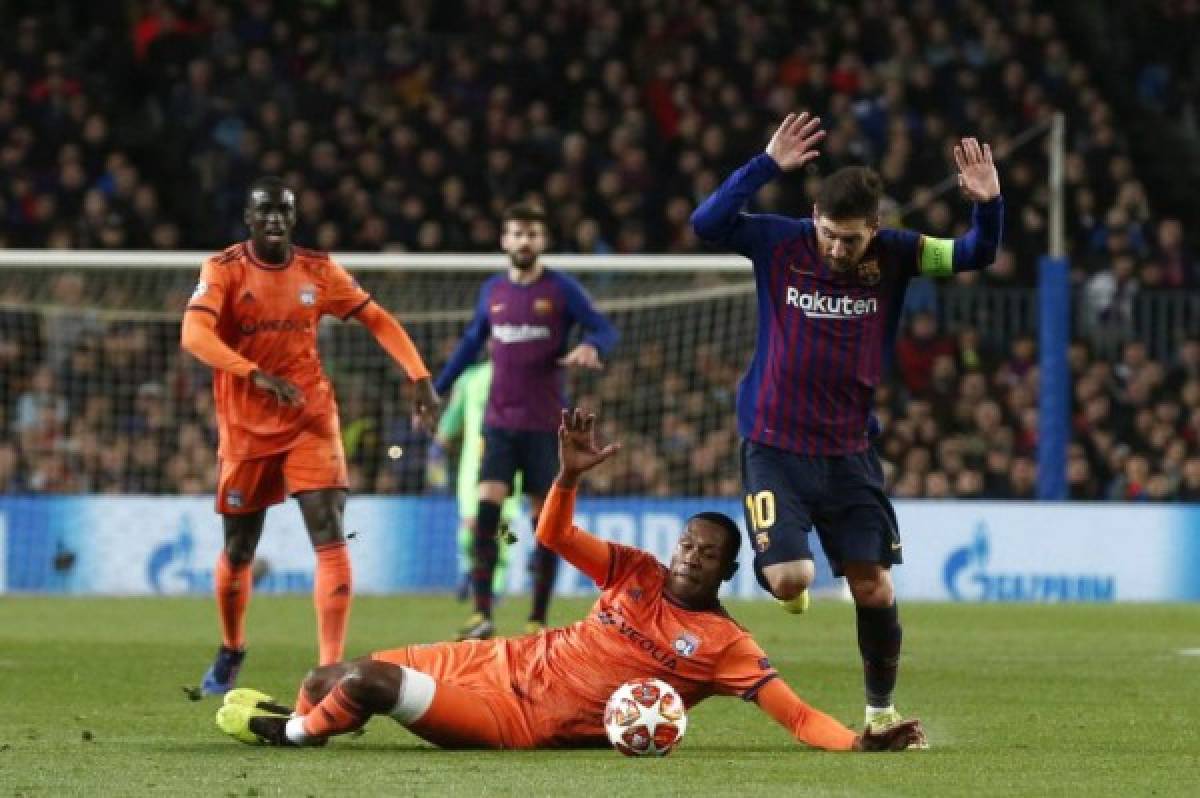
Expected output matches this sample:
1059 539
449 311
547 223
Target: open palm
577 448
977 175
795 142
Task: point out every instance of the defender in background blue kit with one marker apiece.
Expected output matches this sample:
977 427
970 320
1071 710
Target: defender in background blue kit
830 290
528 314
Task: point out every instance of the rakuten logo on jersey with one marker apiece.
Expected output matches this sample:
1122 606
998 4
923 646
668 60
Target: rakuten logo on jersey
816 305
519 333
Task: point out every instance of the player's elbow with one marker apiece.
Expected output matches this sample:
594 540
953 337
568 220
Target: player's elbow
985 254
189 334
704 223
546 534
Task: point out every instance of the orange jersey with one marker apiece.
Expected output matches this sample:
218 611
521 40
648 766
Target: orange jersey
550 689
634 630
268 314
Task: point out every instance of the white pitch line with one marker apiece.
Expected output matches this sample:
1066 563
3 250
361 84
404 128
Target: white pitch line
1189 652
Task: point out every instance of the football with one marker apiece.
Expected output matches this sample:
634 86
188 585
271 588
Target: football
645 717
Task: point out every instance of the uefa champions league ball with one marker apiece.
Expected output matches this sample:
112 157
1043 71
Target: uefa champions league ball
645 717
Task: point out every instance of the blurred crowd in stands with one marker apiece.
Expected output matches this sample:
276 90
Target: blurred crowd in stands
406 126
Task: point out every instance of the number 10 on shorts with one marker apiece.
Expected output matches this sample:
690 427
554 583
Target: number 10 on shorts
760 509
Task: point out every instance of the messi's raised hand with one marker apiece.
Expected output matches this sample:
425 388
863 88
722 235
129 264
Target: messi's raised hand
977 175
578 451
795 142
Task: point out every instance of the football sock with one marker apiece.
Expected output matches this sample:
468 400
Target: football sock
336 714
233 586
304 704
879 638
544 566
485 552
331 598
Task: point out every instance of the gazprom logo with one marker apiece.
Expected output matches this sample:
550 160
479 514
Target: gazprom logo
816 305
169 569
968 577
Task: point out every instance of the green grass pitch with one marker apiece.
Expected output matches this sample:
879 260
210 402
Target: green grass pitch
1018 700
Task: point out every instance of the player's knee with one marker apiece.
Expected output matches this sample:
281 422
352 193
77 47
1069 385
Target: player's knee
373 685
788 580
870 585
320 680
325 527
240 551
493 491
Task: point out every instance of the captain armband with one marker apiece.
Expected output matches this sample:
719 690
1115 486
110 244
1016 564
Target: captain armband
936 258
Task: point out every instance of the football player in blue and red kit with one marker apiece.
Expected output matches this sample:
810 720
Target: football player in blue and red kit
830 289
528 312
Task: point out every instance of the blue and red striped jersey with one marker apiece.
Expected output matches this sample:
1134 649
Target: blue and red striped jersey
529 326
823 336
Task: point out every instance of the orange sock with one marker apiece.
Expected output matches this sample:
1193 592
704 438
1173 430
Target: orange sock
303 704
336 714
331 597
232 586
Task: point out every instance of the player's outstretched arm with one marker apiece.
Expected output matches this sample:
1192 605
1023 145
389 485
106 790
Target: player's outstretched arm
199 338
979 182
578 453
474 337
392 336
599 334
719 219
813 727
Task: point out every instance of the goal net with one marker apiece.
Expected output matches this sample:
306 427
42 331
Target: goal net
91 351
97 397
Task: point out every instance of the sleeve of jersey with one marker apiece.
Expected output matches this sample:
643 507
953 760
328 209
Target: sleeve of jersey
394 340
942 257
199 338
598 330
582 549
343 297
209 294
808 725
719 219
473 339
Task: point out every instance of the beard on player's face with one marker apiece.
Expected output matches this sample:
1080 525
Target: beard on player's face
843 243
523 259
523 242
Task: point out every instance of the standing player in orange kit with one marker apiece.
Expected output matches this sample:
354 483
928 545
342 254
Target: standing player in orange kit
253 318
549 690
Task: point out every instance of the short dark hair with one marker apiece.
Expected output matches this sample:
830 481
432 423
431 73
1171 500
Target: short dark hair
524 212
852 192
269 183
733 535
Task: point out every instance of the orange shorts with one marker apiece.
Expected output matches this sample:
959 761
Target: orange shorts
473 704
315 462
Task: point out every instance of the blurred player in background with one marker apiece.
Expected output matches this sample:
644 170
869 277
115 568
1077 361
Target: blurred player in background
549 690
527 313
830 290
462 419
253 318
